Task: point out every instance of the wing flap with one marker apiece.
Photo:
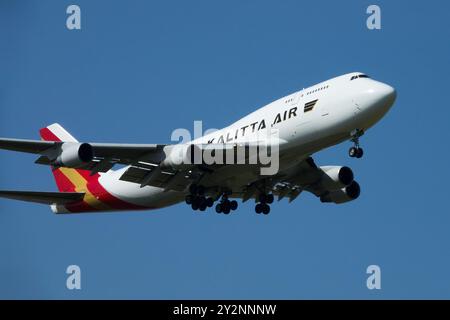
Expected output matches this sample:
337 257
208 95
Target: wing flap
129 152
43 197
147 177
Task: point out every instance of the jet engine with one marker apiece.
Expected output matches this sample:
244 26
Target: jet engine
349 193
336 177
74 155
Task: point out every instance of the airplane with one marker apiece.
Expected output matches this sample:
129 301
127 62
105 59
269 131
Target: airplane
151 176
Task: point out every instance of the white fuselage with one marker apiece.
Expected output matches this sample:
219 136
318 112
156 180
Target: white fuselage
343 105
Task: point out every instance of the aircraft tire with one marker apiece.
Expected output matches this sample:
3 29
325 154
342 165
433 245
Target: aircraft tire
209 202
189 199
265 209
359 153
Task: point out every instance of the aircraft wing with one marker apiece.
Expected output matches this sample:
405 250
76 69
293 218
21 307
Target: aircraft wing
168 175
329 183
151 165
120 151
43 197
101 156
305 175
147 162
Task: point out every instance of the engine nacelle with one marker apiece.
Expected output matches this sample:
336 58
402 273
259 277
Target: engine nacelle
74 155
336 177
349 193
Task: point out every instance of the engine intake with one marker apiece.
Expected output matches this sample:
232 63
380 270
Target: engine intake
336 177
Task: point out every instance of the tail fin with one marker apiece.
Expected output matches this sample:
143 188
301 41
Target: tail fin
67 179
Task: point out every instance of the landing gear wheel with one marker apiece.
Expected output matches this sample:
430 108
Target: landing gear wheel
194 206
258 208
189 199
269 198
209 202
265 209
219 208
352 152
359 153
233 205
225 208
202 207
355 152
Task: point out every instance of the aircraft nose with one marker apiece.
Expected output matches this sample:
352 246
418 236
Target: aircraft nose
377 97
386 94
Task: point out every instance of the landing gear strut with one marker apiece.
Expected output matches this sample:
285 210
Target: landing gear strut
225 205
263 205
356 151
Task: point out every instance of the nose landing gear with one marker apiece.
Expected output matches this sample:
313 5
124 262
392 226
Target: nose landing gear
356 151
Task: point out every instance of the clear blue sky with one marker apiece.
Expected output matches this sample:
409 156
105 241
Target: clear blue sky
139 69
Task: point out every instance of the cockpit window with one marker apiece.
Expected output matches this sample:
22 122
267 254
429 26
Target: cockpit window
359 76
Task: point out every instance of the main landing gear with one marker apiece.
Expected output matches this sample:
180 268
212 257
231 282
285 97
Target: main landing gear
225 205
356 151
197 200
263 205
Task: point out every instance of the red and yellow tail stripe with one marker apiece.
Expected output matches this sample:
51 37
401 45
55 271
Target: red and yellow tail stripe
96 197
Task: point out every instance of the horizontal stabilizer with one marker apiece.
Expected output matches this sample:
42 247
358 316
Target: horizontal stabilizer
22 145
43 197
